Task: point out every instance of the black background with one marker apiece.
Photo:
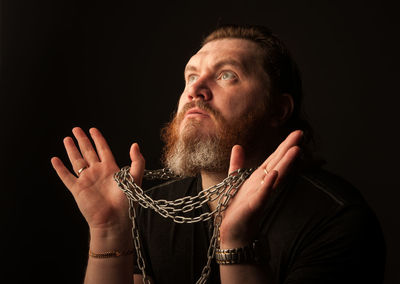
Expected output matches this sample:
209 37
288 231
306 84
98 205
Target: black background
118 65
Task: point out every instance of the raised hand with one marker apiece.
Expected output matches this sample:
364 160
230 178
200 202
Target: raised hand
103 205
240 222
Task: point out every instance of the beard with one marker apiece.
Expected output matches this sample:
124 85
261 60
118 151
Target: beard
189 150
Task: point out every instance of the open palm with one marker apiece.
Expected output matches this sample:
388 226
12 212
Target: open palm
101 202
240 220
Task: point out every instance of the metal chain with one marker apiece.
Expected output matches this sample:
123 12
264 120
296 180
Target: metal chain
175 209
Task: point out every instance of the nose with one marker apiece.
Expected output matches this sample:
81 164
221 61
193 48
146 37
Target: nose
200 90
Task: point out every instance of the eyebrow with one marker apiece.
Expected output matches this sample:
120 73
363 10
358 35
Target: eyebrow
220 64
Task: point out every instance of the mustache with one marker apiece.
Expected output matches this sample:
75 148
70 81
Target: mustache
201 105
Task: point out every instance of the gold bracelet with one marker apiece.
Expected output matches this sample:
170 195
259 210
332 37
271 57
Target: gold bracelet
110 254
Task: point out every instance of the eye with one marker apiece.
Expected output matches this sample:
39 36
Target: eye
192 78
227 75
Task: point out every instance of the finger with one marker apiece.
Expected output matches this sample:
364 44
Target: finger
268 179
294 138
103 150
138 163
258 200
74 155
65 175
266 184
237 158
286 163
85 146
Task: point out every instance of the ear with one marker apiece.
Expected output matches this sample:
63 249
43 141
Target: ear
283 109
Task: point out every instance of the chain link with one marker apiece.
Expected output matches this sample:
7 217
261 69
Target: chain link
176 209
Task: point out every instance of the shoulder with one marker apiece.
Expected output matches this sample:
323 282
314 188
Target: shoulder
321 199
330 202
321 224
322 194
326 185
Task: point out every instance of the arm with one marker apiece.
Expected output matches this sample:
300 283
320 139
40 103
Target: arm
103 205
240 222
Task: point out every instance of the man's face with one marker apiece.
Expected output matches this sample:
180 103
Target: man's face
223 104
227 75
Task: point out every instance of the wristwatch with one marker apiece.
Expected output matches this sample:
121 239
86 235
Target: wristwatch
253 253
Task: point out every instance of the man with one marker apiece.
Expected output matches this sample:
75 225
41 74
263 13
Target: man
242 96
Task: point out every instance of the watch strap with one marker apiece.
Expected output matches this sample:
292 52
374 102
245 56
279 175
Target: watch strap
252 253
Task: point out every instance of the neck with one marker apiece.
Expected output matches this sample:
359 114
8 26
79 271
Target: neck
260 151
209 179
212 178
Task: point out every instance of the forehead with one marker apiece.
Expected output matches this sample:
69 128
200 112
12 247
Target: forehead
245 52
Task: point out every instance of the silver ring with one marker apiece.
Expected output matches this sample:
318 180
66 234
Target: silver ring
266 172
81 170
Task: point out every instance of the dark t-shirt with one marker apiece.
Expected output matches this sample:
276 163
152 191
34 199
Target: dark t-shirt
317 229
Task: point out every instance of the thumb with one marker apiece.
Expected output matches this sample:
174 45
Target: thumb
137 165
237 158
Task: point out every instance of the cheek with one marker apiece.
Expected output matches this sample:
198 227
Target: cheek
241 107
182 102
234 108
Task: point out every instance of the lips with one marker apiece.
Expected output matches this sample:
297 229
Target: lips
196 112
